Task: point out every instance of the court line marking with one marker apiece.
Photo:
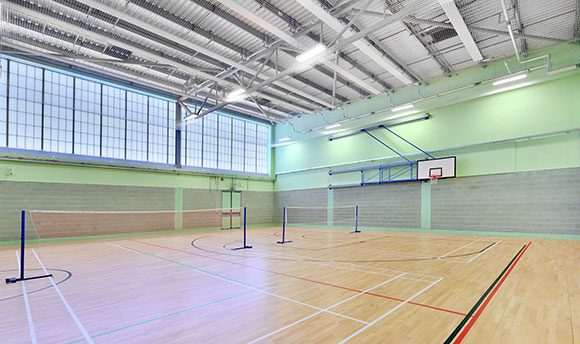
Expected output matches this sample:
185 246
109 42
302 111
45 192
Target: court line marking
457 249
241 256
394 273
205 272
121 247
477 306
402 254
326 309
27 306
66 304
482 252
301 278
118 284
389 312
165 316
261 290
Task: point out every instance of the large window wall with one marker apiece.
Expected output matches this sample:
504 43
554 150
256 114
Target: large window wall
49 111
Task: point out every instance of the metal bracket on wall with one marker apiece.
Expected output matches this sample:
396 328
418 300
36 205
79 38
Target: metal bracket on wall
395 173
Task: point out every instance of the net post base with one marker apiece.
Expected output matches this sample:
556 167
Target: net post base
284 242
14 279
241 248
357 231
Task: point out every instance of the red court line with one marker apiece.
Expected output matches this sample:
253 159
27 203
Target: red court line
486 302
300 278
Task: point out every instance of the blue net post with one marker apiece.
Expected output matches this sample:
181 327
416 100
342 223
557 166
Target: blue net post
22 250
356 220
245 246
284 229
22 241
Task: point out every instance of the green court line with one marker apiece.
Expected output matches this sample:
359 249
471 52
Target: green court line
193 268
164 316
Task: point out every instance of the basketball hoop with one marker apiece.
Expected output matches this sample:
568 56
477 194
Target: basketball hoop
434 178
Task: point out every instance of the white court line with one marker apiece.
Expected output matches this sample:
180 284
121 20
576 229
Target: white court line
27 306
399 254
389 312
275 295
487 249
121 247
68 307
347 268
457 249
326 309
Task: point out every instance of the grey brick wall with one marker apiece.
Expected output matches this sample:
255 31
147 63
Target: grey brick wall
260 206
299 198
15 196
201 199
395 205
529 202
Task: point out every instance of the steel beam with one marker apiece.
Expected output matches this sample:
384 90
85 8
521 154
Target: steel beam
190 44
435 23
363 46
109 38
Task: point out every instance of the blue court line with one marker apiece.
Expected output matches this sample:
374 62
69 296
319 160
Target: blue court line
164 316
196 269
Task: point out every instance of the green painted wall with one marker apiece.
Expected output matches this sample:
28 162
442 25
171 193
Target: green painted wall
48 173
537 109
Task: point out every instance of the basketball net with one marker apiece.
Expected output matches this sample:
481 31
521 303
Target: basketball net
434 179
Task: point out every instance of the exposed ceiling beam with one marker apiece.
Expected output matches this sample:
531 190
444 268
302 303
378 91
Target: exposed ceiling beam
435 23
110 40
53 53
363 46
145 25
460 27
411 8
336 11
236 7
577 22
520 27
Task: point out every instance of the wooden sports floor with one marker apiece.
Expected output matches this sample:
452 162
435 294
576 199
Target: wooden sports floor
327 286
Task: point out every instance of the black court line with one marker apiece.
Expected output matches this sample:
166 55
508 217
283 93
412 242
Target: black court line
481 299
69 275
194 245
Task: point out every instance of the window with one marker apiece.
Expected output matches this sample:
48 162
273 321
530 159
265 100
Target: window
3 101
113 122
218 141
87 140
210 141
225 143
262 149
25 106
239 130
137 118
192 147
159 131
58 112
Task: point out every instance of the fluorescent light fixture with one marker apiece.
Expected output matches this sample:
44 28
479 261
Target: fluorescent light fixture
510 79
285 139
332 126
311 53
509 88
403 107
399 115
390 124
332 132
236 95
